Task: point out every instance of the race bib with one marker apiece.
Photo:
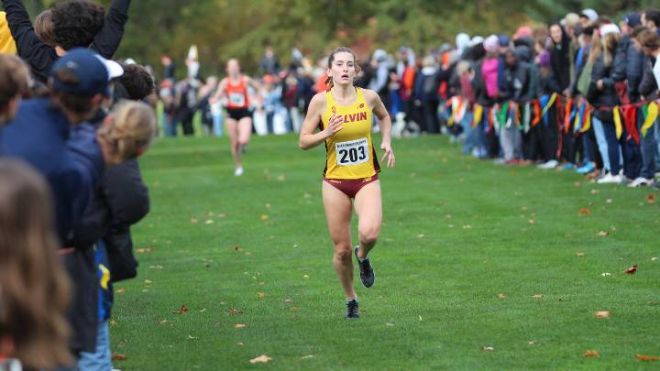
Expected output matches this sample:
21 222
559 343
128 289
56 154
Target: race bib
353 152
237 99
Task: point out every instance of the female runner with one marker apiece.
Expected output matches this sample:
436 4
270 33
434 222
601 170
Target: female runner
234 88
343 115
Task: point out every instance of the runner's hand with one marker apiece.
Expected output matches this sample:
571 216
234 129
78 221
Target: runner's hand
334 125
388 155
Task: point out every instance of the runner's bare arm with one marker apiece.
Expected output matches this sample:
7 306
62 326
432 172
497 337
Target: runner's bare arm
373 100
220 91
308 137
256 85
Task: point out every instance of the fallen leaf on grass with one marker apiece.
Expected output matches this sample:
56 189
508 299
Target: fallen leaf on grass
631 270
148 282
264 217
120 291
606 274
233 311
182 310
261 295
537 296
281 178
608 201
591 354
240 325
389 324
261 359
654 258
421 235
190 337
595 191
602 314
119 357
531 342
193 221
579 254
501 296
644 358
532 221
585 211
144 250
307 357
163 322
603 233
467 226
650 198
113 323
487 349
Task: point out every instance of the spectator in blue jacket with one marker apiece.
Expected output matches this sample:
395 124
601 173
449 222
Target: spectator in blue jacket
41 129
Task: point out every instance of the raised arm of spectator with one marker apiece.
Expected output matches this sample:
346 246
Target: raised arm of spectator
35 52
108 39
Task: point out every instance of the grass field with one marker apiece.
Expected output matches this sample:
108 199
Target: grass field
479 266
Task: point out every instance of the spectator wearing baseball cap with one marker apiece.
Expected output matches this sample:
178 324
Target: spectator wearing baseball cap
40 131
634 59
588 17
632 20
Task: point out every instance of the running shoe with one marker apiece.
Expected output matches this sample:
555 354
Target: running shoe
238 171
352 309
367 275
